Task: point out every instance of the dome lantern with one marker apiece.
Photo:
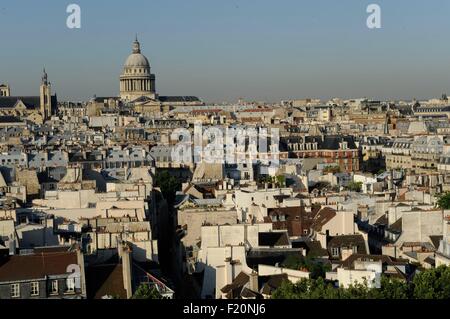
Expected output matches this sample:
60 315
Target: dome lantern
136 46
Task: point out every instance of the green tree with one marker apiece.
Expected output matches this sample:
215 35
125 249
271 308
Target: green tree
296 262
355 291
265 179
429 284
319 289
318 269
444 201
306 289
281 181
354 186
432 284
285 291
168 184
392 288
293 261
144 291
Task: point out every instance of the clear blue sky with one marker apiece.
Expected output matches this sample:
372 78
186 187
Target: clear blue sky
225 49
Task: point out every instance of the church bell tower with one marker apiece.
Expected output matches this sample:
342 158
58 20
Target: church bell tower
45 97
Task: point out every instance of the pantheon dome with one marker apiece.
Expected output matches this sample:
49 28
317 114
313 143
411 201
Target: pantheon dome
136 79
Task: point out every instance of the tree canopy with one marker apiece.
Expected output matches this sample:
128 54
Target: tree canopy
278 181
428 284
296 262
354 186
168 184
444 201
144 291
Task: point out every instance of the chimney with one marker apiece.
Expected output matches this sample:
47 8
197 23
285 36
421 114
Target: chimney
126 268
253 281
80 261
12 245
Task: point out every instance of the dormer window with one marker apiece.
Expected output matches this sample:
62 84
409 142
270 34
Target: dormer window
335 251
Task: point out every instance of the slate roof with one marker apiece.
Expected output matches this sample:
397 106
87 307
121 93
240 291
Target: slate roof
313 248
397 226
436 240
105 280
234 289
386 260
430 260
31 102
268 256
10 119
250 294
327 142
273 283
323 216
273 239
178 99
383 220
348 241
101 99
296 219
36 266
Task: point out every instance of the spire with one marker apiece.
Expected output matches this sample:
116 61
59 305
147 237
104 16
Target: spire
44 77
136 46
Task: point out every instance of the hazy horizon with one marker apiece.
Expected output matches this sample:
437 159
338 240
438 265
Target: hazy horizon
224 50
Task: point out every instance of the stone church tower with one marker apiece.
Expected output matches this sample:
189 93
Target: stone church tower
45 97
4 90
